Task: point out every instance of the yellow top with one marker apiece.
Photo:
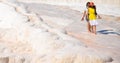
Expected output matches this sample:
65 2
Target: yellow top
91 12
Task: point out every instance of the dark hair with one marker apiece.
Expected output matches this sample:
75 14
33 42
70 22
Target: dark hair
95 9
87 4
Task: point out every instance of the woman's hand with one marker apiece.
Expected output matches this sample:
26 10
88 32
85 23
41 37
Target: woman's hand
82 19
99 17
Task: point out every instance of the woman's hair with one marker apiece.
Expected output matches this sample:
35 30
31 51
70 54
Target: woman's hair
87 4
95 9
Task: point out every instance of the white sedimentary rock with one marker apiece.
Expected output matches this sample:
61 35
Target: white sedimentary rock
4 58
4 49
16 59
108 2
57 22
52 45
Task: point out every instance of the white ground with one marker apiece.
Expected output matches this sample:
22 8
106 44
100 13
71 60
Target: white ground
40 33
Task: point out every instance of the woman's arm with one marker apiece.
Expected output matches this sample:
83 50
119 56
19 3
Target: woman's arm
84 14
99 17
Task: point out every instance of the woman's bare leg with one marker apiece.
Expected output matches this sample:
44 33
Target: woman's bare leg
94 29
89 27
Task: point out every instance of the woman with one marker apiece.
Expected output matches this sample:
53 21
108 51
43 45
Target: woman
92 15
85 15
